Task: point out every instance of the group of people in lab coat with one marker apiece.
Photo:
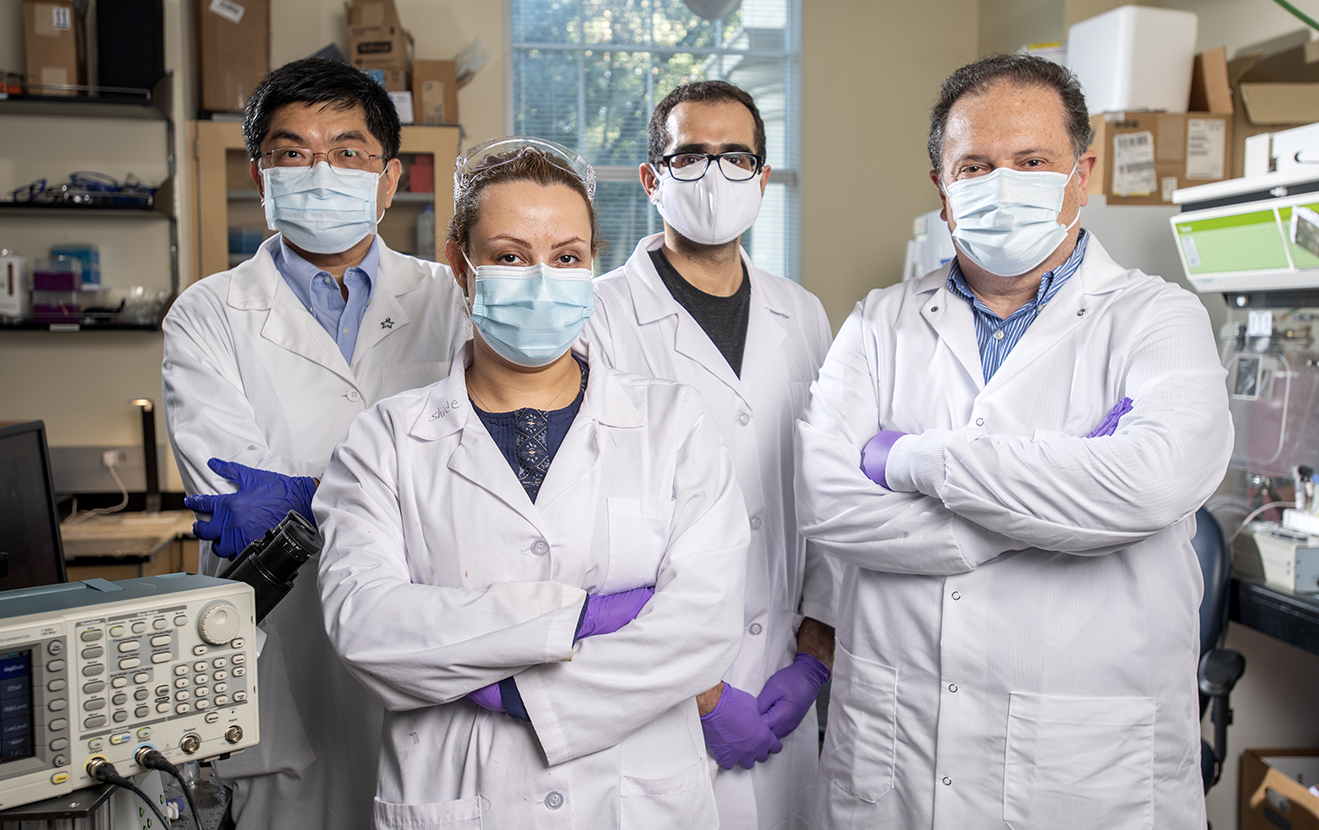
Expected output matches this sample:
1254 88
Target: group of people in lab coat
593 546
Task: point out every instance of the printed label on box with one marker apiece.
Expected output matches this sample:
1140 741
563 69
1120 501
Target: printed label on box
229 10
52 19
1206 138
1192 252
61 19
1169 187
1133 164
1260 323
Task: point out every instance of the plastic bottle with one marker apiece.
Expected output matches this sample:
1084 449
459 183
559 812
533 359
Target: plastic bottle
426 233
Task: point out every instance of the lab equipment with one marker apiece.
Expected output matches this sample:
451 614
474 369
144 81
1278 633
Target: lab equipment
735 734
790 692
426 232
90 257
55 285
1248 235
260 503
31 552
1290 557
606 613
99 669
15 285
1134 58
929 248
271 563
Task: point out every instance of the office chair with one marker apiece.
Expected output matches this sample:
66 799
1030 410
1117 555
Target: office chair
1220 668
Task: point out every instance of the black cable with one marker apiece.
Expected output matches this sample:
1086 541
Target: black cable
153 759
105 772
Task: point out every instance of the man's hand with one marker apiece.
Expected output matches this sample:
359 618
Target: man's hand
735 734
262 501
606 613
1108 426
874 455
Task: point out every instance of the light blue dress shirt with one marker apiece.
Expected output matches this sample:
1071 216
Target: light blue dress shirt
997 336
319 293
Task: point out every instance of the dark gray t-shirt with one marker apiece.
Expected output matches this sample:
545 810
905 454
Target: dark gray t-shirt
724 319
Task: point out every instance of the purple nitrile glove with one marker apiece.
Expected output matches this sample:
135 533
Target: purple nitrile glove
488 697
789 693
874 455
606 613
1108 426
735 734
262 501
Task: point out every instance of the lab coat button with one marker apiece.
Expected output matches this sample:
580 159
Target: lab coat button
980 422
744 419
755 523
540 547
952 687
1080 312
947 782
554 800
354 395
957 595
756 628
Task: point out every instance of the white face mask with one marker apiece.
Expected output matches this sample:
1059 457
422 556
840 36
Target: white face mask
1007 221
709 211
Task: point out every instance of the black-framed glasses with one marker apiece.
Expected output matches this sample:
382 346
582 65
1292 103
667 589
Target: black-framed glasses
346 158
736 166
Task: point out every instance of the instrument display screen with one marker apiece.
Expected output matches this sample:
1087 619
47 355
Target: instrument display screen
16 717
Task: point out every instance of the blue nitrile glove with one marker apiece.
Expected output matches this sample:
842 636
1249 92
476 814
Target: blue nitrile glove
606 613
1108 426
874 455
262 501
789 693
488 697
735 734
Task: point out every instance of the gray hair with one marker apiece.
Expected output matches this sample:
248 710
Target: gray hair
1020 70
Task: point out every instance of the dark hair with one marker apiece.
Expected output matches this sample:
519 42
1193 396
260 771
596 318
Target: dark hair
321 81
526 164
709 92
1021 70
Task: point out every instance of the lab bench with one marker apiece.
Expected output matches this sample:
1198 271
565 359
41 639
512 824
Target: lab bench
127 545
1282 614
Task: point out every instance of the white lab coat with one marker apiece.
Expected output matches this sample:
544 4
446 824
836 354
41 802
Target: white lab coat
639 327
250 376
1053 686
440 576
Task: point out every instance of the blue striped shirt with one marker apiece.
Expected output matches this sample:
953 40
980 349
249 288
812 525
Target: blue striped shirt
997 336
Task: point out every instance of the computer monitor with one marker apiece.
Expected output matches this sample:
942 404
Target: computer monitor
30 549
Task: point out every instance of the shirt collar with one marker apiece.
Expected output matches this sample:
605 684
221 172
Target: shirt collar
299 273
1050 283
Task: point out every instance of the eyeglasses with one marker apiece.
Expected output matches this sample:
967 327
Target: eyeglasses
499 151
347 158
736 167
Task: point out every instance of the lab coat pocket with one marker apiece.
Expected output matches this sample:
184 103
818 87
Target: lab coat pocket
461 814
683 800
404 376
1079 762
860 741
638 537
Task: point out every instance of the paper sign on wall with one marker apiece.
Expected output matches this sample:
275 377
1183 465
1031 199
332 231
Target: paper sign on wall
229 10
1205 142
1133 164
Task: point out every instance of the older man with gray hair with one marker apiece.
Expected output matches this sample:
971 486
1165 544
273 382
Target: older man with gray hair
1008 454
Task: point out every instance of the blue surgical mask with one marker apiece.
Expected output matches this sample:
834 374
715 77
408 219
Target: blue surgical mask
1007 221
321 209
530 314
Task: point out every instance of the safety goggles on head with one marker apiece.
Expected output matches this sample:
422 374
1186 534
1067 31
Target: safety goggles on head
736 166
482 157
343 158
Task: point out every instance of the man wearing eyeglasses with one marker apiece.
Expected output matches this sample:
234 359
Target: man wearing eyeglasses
265 366
690 306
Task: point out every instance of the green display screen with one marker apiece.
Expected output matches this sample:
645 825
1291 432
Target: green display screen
1251 241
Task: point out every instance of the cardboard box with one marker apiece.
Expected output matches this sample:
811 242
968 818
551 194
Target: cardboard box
234 37
1142 157
434 92
393 80
50 39
1273 93
372 13
1271 795
379 47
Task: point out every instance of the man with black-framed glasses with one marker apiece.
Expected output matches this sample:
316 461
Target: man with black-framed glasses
265 365
690 306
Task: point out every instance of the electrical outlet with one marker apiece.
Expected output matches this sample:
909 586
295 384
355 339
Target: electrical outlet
113 458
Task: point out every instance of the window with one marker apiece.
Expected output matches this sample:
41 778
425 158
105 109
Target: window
587 73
